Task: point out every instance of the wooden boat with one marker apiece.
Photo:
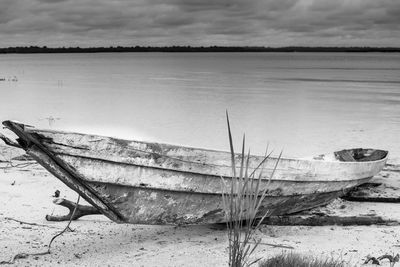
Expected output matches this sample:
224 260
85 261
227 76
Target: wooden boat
150 183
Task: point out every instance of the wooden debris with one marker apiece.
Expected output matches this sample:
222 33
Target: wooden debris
372 259
318 220
392 259
9 142
81 210
392 168
383 190
371 199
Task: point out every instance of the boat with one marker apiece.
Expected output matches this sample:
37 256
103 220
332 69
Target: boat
151 183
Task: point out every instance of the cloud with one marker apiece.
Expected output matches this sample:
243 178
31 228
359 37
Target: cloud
199 22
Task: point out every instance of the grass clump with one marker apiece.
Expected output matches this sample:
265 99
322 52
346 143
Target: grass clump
242 199
298 260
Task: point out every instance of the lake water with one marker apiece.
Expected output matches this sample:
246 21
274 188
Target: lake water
303 103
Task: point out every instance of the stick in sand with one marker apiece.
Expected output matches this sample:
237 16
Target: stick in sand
75 210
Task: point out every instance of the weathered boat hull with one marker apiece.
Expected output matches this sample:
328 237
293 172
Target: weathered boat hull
149 206
149 183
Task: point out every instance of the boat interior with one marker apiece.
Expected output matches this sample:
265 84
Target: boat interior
360 155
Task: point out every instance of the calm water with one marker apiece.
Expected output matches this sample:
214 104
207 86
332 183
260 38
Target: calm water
303 103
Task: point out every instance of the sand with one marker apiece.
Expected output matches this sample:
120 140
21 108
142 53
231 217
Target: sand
26 195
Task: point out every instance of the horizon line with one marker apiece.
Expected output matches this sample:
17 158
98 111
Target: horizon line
188 48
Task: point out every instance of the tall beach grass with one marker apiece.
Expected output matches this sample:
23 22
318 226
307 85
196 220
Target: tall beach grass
242 199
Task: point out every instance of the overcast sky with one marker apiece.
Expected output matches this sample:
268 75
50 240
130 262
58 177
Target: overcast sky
199 22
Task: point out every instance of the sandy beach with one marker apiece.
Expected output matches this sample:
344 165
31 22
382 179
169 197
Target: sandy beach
297 78
26 197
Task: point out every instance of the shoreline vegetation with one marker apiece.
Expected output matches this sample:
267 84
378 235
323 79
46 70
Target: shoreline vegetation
191 49
242 201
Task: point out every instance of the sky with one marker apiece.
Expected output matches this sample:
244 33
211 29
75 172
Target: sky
88 23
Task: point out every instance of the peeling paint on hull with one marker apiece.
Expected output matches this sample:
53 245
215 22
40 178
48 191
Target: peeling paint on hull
150 206
150 183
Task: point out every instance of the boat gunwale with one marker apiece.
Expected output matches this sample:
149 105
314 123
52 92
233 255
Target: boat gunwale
31 129
197 173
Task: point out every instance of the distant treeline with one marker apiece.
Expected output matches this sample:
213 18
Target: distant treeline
45 49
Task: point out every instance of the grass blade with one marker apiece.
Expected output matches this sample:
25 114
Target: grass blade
242 203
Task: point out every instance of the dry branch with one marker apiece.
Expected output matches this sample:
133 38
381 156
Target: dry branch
317 220
80 210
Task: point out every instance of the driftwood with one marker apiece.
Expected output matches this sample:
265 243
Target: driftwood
392 168
377 192
318 220
9 142
392 259
373 260
371 192
371 199
81 210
